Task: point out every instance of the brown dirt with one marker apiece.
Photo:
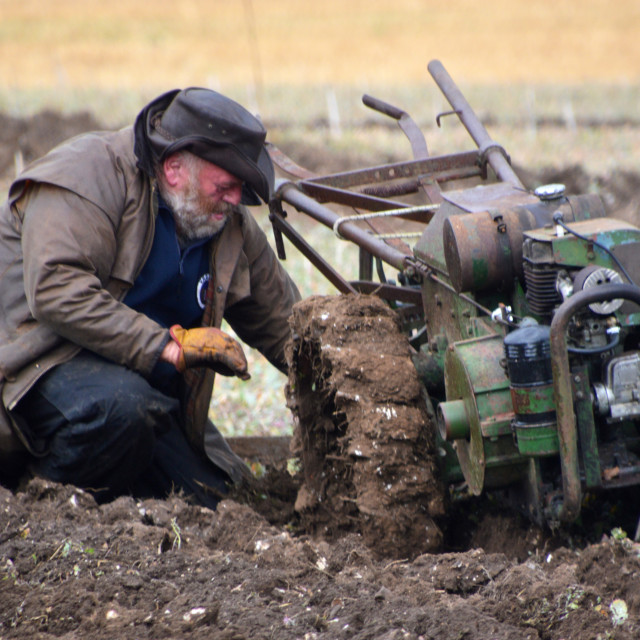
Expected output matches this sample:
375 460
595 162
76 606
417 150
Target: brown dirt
255 569
166 569
369 464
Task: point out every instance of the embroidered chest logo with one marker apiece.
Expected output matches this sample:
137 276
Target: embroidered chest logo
201 290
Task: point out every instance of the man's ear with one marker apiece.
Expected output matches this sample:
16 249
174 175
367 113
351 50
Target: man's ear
175 173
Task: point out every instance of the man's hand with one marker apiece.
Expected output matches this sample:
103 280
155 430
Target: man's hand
206 347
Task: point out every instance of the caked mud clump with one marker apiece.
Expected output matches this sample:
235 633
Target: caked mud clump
362 432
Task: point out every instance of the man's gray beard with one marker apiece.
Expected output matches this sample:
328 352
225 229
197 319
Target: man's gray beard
192 214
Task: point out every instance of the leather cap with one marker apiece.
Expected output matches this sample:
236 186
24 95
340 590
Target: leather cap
212 127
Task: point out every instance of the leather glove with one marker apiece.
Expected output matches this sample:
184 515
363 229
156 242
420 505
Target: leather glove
209 347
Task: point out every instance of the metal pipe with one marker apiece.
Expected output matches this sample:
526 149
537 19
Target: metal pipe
493 152
410 128
459 165
290 193
563 396
311 254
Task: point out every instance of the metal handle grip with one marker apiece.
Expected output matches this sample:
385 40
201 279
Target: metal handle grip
473 125
383 107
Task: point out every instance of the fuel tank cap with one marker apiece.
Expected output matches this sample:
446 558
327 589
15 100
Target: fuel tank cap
550 191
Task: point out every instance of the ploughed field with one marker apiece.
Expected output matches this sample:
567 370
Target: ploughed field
257 568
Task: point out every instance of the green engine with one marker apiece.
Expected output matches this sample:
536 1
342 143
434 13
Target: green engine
533 317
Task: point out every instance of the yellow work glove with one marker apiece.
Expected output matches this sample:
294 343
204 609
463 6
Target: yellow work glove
209 347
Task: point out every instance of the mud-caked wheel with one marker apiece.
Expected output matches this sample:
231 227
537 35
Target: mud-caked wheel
363 432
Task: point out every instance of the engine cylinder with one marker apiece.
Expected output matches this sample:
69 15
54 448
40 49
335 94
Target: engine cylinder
528 355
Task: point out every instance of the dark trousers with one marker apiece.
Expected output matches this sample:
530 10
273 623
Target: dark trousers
106 429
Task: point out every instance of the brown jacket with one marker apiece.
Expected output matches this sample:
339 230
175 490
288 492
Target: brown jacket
74 234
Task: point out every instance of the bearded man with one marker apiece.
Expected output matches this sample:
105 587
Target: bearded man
120 255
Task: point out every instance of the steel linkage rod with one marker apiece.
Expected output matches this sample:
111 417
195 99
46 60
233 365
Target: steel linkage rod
388 213
279 223
493 152
290 193
454 166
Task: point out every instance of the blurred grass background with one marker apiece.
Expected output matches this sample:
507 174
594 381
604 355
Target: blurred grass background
143 44
557 83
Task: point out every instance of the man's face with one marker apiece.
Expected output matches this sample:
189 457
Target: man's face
200 194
